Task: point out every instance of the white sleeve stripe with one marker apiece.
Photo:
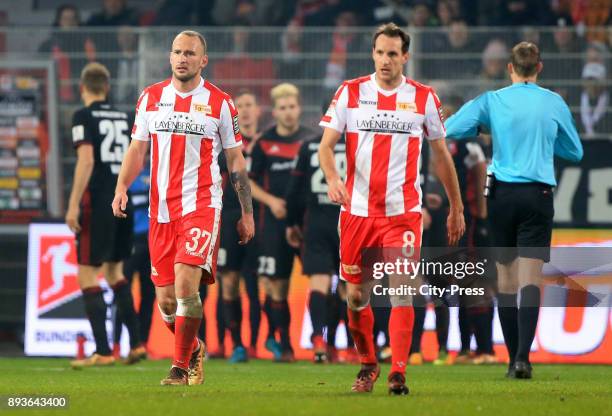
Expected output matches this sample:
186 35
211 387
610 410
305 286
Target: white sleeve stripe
142 139
433 120
141 130
232 145
229 132
336 112
326 125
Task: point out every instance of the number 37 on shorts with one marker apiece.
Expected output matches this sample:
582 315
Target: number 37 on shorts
192 240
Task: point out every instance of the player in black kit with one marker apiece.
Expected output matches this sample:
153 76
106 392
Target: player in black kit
475 312
271 163
100 135
309 209
235 259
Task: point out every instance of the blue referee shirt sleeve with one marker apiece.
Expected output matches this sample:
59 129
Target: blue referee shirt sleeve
567 143
465 122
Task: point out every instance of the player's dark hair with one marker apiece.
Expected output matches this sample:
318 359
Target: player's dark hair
61 9
525 59
393 31
95 78
246 91
194 34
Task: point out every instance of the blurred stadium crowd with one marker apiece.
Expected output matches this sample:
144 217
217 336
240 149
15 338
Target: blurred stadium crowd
413 13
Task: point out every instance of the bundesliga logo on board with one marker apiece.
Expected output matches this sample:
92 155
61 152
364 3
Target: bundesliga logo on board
58 273
54 303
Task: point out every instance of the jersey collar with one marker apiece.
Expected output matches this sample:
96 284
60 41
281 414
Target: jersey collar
387 92
188 93
524 84
98 103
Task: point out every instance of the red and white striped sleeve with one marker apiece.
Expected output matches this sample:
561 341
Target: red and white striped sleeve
434 117
335 117
229 131
140 130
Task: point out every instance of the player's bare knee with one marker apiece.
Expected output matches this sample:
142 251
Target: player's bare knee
320 283
354 296
529 272
167 305
507 284
113 272
230 285
357 300
283 287
230 290
279 289
87 276
506 281
276 294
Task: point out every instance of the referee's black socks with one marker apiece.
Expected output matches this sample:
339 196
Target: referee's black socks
508 318
529 310
95 308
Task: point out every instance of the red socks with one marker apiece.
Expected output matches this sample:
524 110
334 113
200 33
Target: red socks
361 325
185 341
400 334
194 343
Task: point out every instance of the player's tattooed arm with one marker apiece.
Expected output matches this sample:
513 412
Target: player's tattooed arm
242 186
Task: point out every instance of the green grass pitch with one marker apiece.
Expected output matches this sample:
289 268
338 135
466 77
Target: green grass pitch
265 388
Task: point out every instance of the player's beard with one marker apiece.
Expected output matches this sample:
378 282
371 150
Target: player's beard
185 77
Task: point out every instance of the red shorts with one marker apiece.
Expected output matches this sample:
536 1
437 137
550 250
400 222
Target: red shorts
358 233
192 239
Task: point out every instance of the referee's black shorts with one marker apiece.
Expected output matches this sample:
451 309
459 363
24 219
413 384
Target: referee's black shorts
521 219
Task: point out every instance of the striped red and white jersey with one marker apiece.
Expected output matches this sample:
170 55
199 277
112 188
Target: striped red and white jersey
187 132
384 134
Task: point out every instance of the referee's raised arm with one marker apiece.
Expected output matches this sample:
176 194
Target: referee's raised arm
529 126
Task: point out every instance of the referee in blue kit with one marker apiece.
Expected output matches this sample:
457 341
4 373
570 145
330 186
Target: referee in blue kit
529 125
